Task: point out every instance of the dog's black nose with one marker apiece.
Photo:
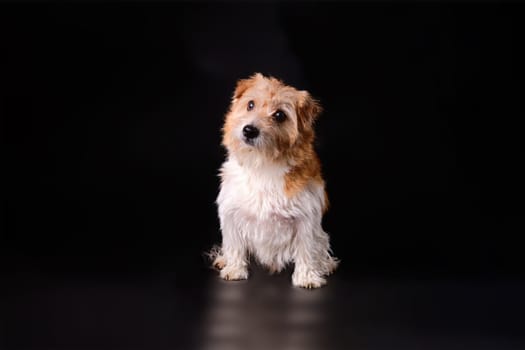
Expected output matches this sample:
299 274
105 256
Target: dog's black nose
250 131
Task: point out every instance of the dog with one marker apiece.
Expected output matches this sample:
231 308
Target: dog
272 195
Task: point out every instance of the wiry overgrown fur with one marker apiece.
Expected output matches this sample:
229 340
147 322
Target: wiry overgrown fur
272 195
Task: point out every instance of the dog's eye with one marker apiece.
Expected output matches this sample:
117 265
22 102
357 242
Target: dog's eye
279 116
251 104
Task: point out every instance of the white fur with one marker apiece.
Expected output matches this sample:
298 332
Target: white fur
258 218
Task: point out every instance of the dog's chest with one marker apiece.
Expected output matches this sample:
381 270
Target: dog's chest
258 193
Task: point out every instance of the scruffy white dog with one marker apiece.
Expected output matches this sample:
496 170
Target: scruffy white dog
272 195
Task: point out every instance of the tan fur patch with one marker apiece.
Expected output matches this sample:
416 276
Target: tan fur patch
308 169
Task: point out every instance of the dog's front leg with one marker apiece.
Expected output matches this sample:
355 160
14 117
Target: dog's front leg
310 255
233 253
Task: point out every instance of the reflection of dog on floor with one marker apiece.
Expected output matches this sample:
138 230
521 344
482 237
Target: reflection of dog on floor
272 195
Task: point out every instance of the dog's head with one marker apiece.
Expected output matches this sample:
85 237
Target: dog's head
268 118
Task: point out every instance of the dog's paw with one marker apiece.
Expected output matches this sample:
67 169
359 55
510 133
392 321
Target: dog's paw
307 279
234 273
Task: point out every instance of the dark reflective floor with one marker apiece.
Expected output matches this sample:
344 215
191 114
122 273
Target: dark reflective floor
265 313
162 311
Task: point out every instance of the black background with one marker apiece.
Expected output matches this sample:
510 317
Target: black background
111 117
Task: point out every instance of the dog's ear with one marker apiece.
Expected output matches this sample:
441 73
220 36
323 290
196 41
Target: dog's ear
244 84
308 110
